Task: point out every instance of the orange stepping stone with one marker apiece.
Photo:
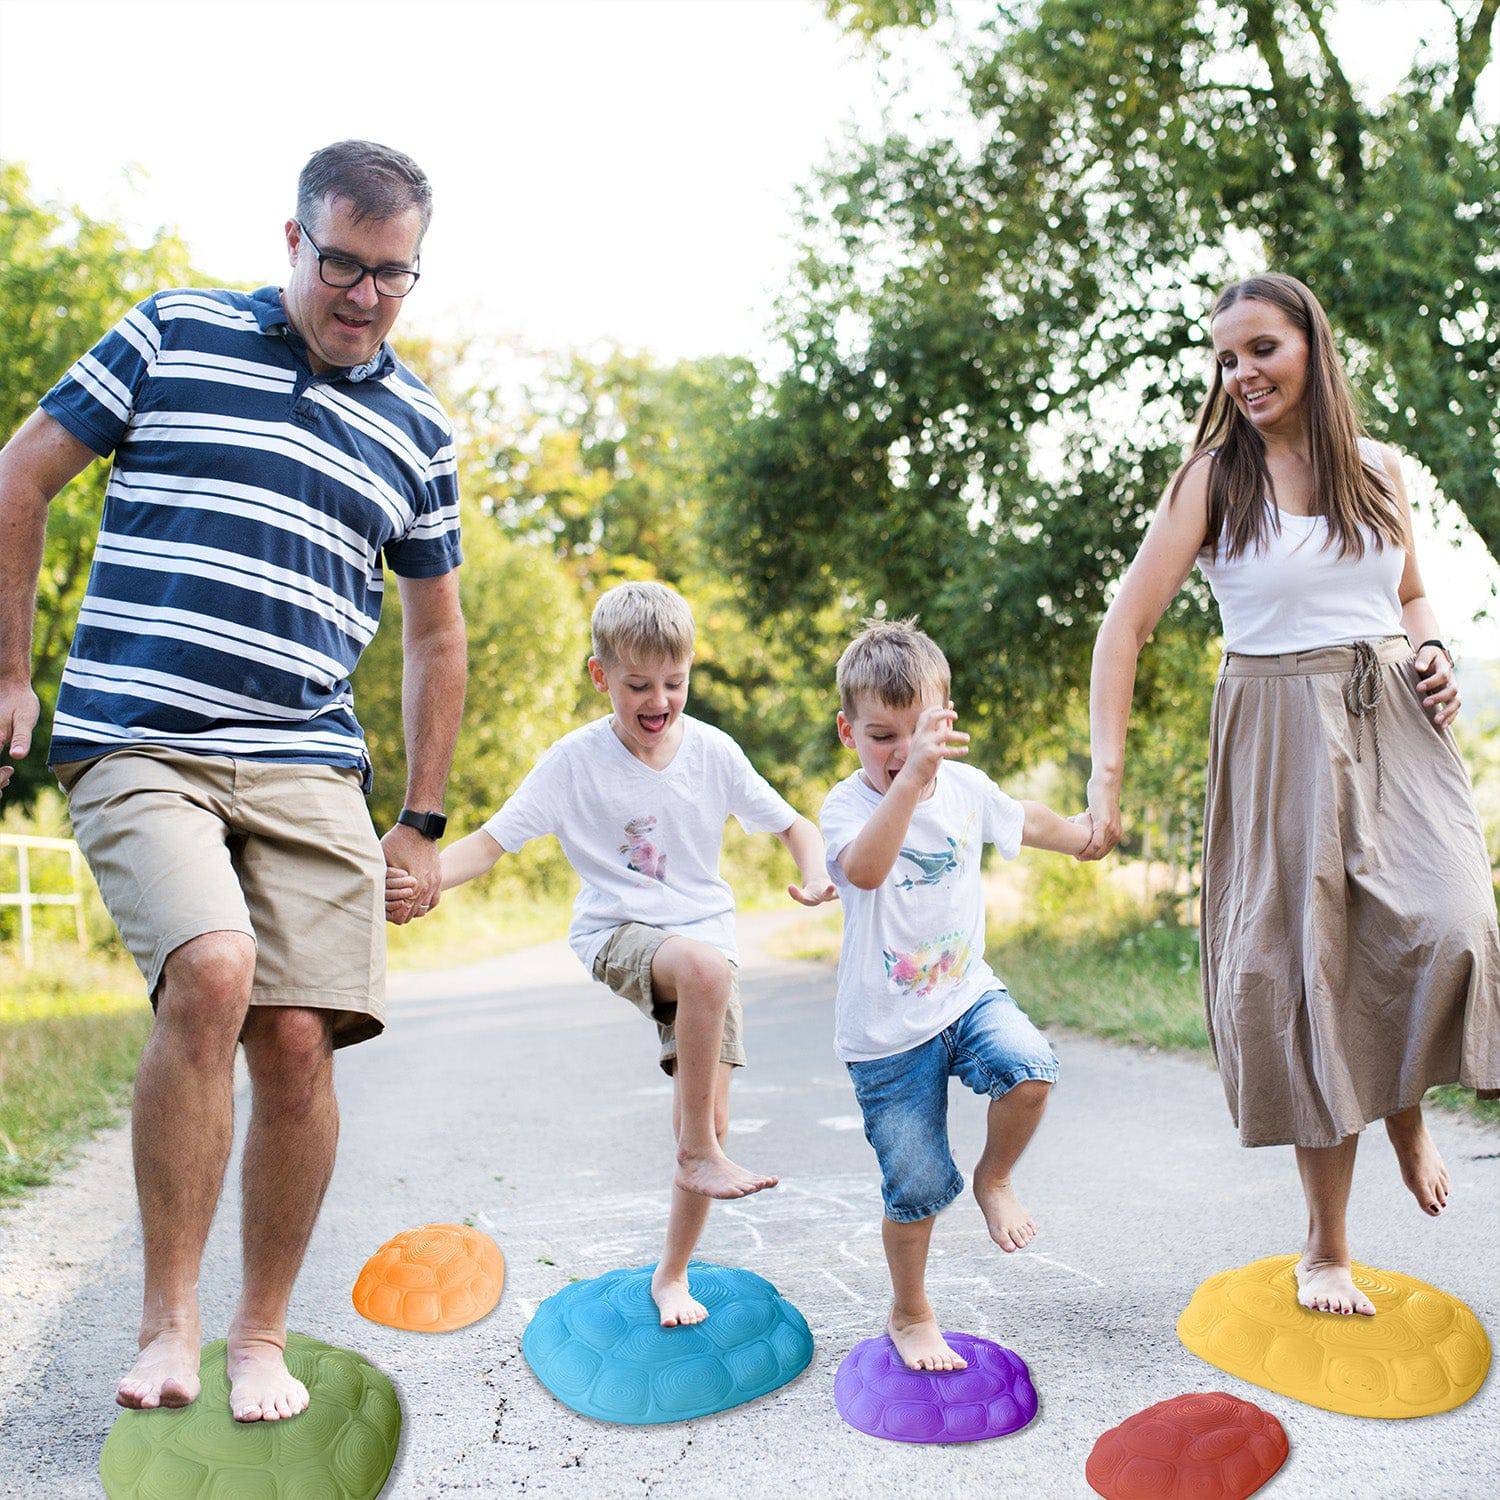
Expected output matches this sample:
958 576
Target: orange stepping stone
1205 1446
431 1280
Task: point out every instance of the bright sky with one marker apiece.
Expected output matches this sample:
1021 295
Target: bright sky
601 168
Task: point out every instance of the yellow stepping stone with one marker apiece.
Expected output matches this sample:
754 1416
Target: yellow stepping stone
1422 1352
431 1280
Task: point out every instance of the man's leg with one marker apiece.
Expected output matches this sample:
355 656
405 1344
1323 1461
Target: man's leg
182 1126
697 977
669 1283
294 1129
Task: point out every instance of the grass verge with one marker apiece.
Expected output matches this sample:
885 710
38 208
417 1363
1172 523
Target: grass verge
1129 980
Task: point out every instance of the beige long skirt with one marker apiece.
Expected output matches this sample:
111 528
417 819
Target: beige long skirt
1350 953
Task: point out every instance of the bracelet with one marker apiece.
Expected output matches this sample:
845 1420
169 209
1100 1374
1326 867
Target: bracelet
1441 647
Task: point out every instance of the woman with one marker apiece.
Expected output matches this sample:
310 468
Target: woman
1350 955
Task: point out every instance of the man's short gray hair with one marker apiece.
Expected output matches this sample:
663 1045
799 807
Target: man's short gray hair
642 621
376 181
894 663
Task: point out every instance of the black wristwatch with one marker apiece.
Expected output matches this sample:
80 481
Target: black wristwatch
429 825
1441 647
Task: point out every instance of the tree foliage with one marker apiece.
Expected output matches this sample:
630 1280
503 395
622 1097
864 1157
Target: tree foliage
65 279
993 345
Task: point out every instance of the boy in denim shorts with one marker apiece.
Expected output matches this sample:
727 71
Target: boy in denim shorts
916 1000
638 800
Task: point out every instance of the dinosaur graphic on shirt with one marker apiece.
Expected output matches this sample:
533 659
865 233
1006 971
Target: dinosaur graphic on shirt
935 965
644 857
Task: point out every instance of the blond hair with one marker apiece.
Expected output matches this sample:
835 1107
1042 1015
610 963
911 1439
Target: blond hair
642 621
894 663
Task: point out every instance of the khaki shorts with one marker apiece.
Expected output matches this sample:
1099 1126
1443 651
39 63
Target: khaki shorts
624 964
181 845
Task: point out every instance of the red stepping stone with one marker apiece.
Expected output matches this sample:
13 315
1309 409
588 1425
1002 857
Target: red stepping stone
1204 1446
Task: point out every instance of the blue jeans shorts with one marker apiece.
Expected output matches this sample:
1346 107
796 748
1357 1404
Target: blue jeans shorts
904 1098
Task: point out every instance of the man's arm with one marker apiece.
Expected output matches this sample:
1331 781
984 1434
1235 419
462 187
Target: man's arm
805 844
435 668
34 465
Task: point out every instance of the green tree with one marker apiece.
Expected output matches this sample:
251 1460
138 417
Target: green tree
993 345
65 279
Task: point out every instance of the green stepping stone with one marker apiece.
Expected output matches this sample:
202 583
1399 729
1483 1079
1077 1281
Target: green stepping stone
341 1448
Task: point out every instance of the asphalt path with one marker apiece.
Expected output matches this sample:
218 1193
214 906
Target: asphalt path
523 1097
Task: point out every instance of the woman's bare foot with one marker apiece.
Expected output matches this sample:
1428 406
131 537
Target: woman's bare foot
715 1176
1328 1286
1010 1223
165 1372
1422 1168
261 1388
920 1343
676 1304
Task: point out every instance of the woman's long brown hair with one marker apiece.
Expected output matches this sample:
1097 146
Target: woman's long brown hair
1349 492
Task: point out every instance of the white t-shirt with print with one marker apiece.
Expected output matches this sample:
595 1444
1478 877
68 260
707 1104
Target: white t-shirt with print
645 843
913 959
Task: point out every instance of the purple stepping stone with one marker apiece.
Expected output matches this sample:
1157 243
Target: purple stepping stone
877 1394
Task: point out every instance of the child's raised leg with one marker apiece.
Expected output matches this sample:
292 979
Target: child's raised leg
698 979
913 1325
669 1284
1013 1119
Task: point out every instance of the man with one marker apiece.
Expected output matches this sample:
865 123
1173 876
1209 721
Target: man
270 455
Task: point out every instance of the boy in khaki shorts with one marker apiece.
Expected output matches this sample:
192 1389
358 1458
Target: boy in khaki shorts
638 800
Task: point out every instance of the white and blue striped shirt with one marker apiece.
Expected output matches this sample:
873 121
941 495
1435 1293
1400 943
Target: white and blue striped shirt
238 571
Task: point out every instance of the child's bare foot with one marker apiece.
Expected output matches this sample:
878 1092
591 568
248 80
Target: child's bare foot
676 1304
165 1372
1009 1221
715 1176
1422 1168
920 1343
261 1388
1328 1286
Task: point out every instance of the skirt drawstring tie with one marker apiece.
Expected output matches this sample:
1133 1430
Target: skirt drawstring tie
1362 693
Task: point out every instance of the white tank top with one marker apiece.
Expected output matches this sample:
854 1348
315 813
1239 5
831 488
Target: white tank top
1293 593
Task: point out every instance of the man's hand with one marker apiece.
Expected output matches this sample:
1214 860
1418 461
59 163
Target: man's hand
19 711
934 741
813 892
409 852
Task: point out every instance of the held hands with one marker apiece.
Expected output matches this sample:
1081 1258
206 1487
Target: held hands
934 741
410 857
1437 686
19 711
1104 812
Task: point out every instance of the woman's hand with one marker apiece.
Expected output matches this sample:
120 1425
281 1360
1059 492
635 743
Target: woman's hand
1104 809
1437 687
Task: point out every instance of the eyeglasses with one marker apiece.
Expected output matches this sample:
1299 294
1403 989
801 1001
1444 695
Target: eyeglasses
340 271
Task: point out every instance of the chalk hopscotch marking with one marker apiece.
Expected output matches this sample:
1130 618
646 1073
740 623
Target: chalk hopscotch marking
844 1287
842 1122
1062 1266
747 1127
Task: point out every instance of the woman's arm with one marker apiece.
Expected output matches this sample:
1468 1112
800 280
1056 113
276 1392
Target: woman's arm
1172 541
1436 683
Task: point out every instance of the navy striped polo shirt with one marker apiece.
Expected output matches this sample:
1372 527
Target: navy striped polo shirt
251 508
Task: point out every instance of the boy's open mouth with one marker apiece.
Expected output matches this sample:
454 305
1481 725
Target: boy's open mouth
652 723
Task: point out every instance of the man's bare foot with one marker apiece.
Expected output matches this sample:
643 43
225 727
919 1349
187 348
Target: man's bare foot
1010 1223
165 1372
676 1304
921 1345
1422 1168
261 1388
717 1177
1328 1286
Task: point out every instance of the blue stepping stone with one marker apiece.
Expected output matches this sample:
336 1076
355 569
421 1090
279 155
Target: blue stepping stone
877 1394
599 1346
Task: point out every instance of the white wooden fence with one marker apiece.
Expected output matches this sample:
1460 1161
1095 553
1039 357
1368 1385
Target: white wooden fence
26 846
